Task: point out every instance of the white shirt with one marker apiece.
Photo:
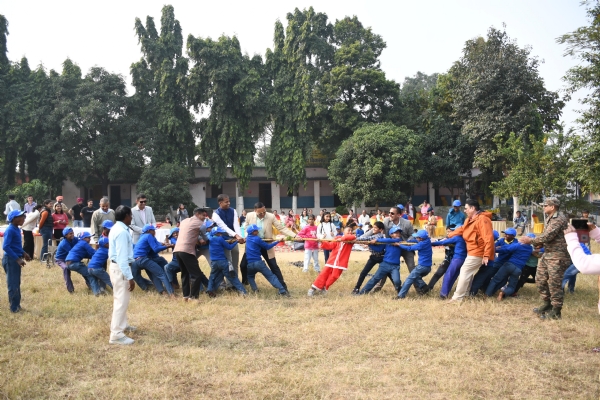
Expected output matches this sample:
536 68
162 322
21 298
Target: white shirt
364 219
236 223
120 248
31 220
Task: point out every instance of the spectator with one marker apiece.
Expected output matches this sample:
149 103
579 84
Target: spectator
86 214
586 214
46 226
12 205
380 216
290 221
75 213
59 200
455 216
30 205
61 221
104 213
326 230
424 208
303 219
181 213
28 226
364 218
520 222
335 218
277 217
431 223
243 218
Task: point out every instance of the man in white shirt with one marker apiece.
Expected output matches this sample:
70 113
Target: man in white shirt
227 218
141 215
12 205
364 218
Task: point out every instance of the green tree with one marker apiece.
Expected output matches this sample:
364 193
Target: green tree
378 163
35 188
160 101
166 186
232 87
584 45
496 89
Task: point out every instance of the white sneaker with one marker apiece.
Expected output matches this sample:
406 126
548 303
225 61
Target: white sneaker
122 341
311 292
305 270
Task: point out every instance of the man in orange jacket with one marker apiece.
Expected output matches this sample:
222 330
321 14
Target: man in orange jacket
336 263
479 237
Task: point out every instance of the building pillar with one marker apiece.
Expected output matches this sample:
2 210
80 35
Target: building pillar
431 194
202 194
239 194
317 196
295 202
275 197
495 202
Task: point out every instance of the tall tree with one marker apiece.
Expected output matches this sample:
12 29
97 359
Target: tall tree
166 186
160 79
232 88
301 55
378 163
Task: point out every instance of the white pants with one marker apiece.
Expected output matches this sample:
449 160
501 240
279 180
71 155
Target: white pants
121 296
314 254
467 271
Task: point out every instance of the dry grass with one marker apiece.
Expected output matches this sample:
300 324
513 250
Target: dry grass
339 346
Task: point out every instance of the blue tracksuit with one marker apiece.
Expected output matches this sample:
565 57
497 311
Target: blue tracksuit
97 265
518 255
254 244
453 271
13 250
389 267
146 257
81 250
420 270
219 265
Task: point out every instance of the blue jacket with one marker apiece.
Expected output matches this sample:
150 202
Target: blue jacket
253 245
392 253
460 247
359 232
456 218
13 244
147 246
375 248
80 251
502 257
518 254
101 255
425 252
64 247
217 246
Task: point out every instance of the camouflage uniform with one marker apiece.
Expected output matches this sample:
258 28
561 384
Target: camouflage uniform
554 262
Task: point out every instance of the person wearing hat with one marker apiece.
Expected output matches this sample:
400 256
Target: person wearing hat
554 262
423 268
402 212
530 268
459 254
145 253
359 230
254 244
520 222
59 200
443 267
172 268
518 254
390 265
74 260
64 247
75 213
431 225
456 216
97 265
14 258
220 266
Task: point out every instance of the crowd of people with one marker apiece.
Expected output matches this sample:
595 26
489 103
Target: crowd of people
476 258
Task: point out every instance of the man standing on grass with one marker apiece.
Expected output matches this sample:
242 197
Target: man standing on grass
14 258
227 218
142 216
555 261
75 213
120 253
479 237
104 213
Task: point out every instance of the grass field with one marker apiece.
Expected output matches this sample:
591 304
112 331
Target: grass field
333 347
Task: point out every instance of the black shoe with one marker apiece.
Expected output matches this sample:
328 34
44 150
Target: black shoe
285 294
547 306
355 291
245 283
211 294
552 314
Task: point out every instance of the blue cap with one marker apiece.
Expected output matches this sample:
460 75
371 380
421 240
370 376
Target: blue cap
394 229
102 241
531 235
251 228
67 230
510 231
496 235
108 224
83 235
173 230
14 214
421 233
148 227
400 206
360 225
220 230
456 203
209 223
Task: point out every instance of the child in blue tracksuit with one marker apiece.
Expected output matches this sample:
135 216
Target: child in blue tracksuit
460 253
377 252
172 268
482 278
219 265
14 258
359 231
97 265
64 246
423 268
391 261
570 276
255 262
75 258
518 254
146 257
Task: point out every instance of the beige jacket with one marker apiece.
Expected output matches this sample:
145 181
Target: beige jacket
269 223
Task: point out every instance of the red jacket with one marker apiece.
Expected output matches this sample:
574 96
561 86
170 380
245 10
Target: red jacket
341 253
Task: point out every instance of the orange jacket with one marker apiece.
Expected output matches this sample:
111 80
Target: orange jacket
478 234
341 253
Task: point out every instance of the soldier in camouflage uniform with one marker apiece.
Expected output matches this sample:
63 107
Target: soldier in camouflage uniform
553 263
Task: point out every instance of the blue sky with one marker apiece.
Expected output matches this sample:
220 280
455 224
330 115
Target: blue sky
421 36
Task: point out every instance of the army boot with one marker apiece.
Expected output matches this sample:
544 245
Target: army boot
554 314
547 306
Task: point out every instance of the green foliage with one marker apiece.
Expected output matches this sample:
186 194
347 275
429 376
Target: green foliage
166 186
232 87
35 188
378 163
341 210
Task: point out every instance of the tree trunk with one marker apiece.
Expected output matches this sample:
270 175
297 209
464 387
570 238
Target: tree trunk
515 206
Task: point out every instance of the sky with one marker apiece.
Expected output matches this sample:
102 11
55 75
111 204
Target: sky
421 36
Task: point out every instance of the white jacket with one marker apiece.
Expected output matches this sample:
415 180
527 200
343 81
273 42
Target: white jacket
31 220
326 230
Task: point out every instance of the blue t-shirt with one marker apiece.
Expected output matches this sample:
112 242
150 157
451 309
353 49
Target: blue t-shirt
460 247
518 253
80 251
392 253
425 251
253 245
13 244
502 257
101 255
359 232
217 246
64 247
147 246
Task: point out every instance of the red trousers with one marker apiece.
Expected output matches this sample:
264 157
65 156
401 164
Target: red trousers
327 277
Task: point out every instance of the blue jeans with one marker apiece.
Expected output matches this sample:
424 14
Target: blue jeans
384 269
508 271
219 269
46 233
416 276
482 278
451 276
82 269
101 277
570 278
13 281
155 271
260 266
77 223
171 269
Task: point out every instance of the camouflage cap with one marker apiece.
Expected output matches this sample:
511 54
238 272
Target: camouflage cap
552 201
